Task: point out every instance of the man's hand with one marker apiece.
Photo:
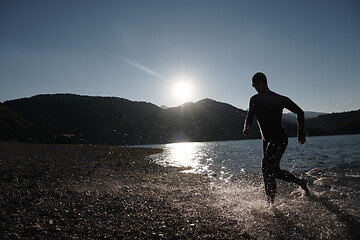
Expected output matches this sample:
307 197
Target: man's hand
301 138
246 131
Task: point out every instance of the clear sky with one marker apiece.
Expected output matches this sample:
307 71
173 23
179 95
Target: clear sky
309 49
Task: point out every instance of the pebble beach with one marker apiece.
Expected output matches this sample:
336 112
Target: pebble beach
103 192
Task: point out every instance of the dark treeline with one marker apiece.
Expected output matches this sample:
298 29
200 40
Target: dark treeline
335 124
68 118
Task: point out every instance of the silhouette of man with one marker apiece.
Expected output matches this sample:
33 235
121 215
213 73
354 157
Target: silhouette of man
267 106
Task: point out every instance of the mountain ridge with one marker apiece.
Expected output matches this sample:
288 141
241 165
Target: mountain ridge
308 115
70 118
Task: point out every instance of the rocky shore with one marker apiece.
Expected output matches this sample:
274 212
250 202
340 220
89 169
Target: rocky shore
102 192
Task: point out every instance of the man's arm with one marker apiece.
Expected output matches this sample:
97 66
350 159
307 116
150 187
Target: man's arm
290 105
249 117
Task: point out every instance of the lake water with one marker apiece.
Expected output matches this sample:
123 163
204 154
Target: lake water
330 163
230 159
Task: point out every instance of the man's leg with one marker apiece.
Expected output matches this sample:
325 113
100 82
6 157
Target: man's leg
286 175
269 169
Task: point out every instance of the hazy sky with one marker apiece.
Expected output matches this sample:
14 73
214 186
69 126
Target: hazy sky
309 49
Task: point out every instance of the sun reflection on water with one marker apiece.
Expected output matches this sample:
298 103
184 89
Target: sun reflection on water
184 154
189 155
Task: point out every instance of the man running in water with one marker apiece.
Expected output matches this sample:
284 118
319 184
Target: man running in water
267 107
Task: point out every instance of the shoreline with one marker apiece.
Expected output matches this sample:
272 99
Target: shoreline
91 192
104 192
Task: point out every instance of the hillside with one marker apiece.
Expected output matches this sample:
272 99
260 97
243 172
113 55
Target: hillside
117 121
308 115
68 118
83 119
335 124
205 120
13 126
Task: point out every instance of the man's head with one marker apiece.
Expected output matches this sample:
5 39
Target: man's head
259 82
259 77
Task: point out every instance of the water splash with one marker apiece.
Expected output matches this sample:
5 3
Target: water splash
293 216
333 172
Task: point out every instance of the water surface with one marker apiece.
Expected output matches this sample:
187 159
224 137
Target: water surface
330 163
233 158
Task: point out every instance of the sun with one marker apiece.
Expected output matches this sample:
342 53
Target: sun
183 90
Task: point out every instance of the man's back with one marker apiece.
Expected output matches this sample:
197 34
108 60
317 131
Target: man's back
268 110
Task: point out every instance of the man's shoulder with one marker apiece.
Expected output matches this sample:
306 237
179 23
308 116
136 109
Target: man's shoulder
271 94
277 95
255 96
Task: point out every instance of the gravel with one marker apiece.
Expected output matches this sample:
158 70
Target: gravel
103 192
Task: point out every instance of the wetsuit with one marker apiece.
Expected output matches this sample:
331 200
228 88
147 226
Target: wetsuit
268 108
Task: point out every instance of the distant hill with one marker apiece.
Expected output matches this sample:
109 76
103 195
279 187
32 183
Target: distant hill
164 107
205 120
68 118
117 121
308 115
83 119
335 124
13 125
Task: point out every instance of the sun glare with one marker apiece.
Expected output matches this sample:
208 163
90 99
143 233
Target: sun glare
183 91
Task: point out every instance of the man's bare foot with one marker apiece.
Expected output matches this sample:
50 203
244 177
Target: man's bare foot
303 185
